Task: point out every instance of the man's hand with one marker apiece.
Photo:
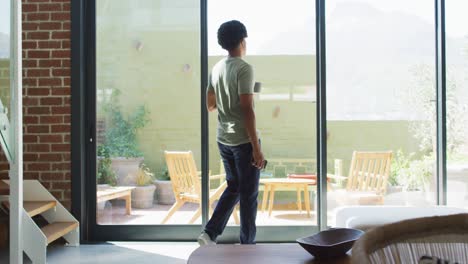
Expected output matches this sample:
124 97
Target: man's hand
258 159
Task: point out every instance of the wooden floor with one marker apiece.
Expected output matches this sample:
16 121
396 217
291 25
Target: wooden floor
260 253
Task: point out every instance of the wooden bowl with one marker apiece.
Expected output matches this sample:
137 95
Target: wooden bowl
330 243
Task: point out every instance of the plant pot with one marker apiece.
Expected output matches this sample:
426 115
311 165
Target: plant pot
394 189
430 192
164 193
415 198
126 169
143 196
101 206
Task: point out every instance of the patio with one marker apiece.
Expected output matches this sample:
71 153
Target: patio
114 214
283 214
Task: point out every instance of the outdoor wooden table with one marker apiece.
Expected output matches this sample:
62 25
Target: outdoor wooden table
120 192
256 254
271 185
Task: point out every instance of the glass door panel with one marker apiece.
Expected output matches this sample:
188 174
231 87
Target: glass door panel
281 49
381 117
457 106
147 103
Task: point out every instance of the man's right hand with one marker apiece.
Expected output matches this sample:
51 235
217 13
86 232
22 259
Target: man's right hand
258 159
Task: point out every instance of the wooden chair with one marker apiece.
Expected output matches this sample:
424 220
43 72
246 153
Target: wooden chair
186 183
366 183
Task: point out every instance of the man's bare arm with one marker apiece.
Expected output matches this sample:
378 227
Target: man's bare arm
211 101
246 103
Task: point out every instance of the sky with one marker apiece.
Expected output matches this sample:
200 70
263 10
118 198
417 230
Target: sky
456 19
5 16
268 20
265 20
260 15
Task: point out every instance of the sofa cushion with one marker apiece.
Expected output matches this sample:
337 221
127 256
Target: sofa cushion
365 217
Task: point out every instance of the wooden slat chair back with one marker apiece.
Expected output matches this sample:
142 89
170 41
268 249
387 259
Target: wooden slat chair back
186 183
183 173
369 171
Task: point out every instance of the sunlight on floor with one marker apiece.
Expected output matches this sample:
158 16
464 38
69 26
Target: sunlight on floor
179 250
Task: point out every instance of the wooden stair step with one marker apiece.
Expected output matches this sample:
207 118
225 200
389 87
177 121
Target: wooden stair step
34 208
4 188
57 230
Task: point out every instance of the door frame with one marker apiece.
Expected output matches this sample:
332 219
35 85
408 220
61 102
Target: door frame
84 148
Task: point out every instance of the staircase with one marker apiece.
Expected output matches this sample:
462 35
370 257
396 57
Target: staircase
38 201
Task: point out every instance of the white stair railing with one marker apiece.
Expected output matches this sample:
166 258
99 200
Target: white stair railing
16 135
34 241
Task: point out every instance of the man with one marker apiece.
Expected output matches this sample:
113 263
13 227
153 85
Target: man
230 91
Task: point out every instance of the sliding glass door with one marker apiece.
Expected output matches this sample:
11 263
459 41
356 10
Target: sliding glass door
457 103
381 108
153 156
282 54
146 113
146 103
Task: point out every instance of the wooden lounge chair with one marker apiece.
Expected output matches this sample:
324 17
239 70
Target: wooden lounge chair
366 183
186 184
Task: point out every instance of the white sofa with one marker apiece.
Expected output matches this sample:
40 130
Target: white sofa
366 217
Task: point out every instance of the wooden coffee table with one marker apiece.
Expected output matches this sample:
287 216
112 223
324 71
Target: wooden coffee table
256 254
120 192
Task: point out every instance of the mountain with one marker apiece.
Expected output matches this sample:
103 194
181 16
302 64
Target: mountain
372 55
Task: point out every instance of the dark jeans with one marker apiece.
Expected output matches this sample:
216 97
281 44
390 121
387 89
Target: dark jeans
242 186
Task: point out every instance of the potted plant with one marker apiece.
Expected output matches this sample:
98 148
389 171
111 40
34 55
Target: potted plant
120 139
164 193
400 162
415 178
105 174
143 194
419 173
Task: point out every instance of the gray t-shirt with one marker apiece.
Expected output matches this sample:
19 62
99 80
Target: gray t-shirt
230 78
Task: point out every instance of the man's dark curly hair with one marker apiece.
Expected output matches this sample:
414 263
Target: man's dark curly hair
231 34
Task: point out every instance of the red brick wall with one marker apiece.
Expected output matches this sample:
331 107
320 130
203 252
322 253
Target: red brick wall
46 83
